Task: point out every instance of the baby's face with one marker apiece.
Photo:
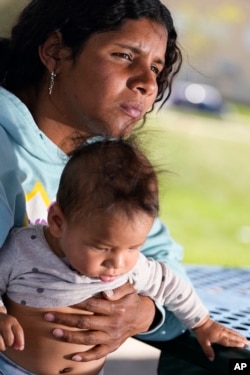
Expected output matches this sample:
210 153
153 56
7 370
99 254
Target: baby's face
106 246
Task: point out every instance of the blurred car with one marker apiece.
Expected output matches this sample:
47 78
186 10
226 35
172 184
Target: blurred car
197 96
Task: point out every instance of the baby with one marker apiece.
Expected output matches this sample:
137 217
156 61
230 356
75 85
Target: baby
105 207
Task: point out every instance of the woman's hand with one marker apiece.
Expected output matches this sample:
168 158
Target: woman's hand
121 314
210 332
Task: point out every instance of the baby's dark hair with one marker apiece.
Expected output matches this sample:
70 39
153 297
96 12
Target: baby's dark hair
77 20
105 176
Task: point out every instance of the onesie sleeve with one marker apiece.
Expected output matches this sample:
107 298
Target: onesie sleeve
162 247
157 281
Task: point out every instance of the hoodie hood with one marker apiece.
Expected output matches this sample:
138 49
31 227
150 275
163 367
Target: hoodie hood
30 166
17 121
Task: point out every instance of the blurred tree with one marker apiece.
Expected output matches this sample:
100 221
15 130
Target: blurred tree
215 40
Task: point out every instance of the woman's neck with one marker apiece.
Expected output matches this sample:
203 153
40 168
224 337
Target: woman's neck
46 117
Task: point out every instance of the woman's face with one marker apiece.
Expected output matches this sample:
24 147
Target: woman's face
112 84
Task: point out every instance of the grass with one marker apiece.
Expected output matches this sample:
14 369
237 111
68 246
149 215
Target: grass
205 201
242 109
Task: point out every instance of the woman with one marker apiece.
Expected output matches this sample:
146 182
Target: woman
75 67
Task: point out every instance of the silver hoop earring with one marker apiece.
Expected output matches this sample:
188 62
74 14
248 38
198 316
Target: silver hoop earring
52 81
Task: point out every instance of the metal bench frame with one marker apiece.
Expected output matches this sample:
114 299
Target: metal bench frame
226 292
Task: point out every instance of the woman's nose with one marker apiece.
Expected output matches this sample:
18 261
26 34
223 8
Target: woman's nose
143 79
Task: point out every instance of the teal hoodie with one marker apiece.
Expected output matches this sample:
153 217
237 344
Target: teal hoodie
30 166
30 169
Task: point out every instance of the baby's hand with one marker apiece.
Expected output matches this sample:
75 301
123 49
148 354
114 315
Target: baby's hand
11 333
210 332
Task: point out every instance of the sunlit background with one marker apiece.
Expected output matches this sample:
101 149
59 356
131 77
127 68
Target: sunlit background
203 134
207 133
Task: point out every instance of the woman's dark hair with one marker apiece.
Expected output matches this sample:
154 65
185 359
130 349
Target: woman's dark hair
77 20
106 176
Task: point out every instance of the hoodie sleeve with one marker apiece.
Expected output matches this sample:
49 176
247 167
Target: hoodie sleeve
12 200
161 246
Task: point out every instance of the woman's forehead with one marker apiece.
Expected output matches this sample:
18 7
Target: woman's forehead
139 34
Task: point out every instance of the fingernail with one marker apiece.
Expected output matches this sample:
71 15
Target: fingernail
21 347
109 293
77 358
49 317
58 332
211 359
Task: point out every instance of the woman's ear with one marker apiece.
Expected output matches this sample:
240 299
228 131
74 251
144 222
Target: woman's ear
56 220
53 51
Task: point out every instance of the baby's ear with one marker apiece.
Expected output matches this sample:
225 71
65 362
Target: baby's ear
56 220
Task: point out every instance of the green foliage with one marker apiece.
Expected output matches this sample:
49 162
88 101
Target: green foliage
243 109
205 201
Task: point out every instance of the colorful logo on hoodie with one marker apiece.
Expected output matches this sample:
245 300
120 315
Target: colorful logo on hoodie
37 204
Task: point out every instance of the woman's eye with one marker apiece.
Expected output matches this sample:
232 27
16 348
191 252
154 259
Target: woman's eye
155 69
124 55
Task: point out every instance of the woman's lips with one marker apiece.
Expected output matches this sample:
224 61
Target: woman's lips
133 110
